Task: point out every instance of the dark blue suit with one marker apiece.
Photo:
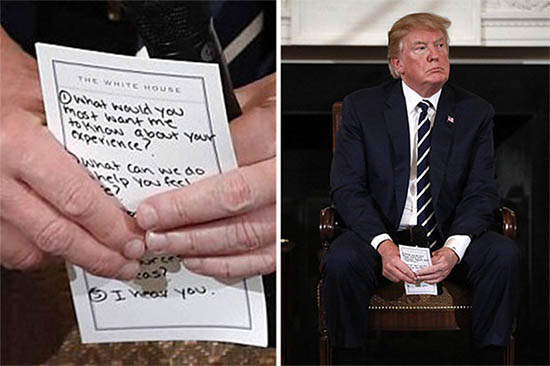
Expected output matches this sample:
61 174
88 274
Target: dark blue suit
369 179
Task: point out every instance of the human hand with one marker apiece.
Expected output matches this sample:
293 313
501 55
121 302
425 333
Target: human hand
50 206
224 226
393 268
443 261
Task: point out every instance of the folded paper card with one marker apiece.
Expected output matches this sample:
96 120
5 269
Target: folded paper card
417 258
143 127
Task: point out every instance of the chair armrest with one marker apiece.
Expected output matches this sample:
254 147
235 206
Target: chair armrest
327 230
327 223
508 226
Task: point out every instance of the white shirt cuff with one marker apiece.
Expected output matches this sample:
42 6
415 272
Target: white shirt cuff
375 242
459 244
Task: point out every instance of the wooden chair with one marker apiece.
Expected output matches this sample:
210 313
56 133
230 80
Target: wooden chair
389 308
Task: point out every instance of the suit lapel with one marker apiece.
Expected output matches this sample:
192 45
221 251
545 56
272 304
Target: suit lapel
398 128
442 138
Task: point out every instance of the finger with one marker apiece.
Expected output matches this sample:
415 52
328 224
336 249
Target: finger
258 261
430 277
396 275
400 277
54 234
73 193
390 276
225 195
404 271
16 251
227 236
256 92
435 280
428 270
254 134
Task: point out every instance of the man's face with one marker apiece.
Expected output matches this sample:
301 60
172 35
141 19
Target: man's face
423 61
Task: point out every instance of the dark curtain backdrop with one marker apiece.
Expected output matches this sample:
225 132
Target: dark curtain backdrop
520 95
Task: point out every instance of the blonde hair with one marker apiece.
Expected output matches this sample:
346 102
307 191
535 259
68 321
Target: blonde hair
411 22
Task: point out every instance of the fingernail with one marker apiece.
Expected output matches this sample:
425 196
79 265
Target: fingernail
146 217
128 271
134 249
156 241
191 263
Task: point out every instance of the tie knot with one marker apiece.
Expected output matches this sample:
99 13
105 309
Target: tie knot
424 105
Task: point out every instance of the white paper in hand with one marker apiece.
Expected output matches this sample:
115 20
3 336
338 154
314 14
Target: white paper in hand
417 258
142 127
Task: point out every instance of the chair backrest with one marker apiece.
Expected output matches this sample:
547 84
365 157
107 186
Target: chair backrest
336 116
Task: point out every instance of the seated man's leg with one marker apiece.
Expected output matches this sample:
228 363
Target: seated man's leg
491 267
351 271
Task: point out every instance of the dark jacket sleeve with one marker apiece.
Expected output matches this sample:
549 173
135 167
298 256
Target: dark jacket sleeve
19 20
350 190
474 212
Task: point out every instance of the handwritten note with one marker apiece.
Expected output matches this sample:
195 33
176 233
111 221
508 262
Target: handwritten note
417 258
142 127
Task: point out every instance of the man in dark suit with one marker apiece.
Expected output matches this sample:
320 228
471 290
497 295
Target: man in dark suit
414 165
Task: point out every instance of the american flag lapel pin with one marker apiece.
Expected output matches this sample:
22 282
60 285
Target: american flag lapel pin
450 119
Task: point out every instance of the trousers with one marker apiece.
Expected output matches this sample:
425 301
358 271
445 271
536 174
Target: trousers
352 270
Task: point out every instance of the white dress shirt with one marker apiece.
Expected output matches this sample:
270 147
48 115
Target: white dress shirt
458 243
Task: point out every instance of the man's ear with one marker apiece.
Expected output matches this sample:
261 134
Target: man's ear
396 64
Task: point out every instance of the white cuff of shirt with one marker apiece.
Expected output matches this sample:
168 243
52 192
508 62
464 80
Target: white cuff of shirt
375 242
459 244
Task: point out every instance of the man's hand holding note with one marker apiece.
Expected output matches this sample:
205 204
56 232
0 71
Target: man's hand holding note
225 226
50 207
443 261
393 268
417 258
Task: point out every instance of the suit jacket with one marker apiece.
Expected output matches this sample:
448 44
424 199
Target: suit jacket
371 163
84 24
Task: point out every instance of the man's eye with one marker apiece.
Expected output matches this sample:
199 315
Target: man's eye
441 45
419 48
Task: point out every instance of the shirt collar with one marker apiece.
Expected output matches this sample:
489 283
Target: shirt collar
412 98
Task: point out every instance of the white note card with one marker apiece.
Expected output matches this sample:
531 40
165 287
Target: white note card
142 127
417 258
